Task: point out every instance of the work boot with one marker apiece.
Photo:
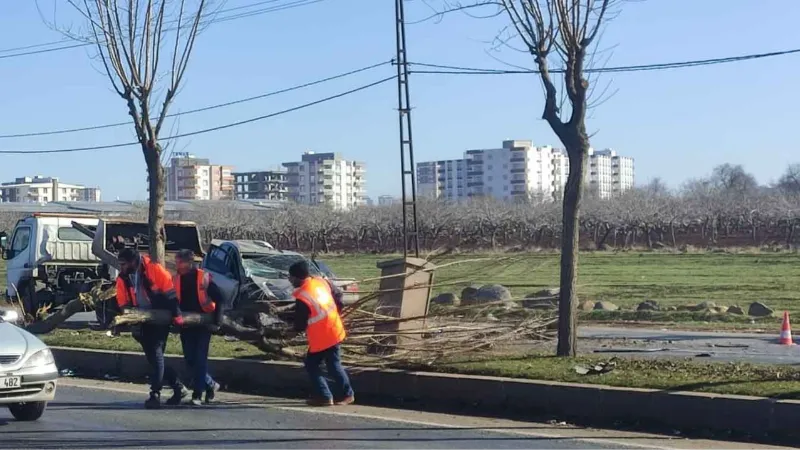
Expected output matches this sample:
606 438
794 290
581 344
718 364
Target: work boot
211 392
177 397
154 402
349 400
197 399
320 401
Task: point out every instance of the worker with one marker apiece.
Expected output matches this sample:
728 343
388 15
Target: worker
145 284
317 312
197 293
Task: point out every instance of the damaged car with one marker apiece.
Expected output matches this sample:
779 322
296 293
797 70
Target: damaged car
248 271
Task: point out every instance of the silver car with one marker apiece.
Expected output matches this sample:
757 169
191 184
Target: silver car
28 372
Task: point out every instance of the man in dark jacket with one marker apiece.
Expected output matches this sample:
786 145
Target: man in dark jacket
197 293
144 284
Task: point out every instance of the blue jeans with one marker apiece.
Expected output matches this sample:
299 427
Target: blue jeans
153 340
195 342
333 361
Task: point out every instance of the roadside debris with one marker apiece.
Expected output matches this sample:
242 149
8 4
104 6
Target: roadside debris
597 369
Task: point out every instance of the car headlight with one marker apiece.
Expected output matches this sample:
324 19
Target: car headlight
40 358
10 315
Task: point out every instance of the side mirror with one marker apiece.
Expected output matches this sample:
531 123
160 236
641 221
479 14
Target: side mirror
6 254
3 242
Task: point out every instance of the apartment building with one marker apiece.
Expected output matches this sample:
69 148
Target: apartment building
39 189
442 179
261 185
326 178
607 173
388 200
520 170
191 178
517 169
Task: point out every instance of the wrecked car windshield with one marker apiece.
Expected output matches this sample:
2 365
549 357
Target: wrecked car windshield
274 266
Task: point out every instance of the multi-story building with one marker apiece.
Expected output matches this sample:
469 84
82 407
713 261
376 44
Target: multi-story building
39 189
326 178
192 178
442 179
388 200
520 170
261 185
516 170
607 174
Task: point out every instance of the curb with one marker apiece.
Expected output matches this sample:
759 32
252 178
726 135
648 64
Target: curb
496 396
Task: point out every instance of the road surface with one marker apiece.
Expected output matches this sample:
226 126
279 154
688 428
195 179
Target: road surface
720 346
95 414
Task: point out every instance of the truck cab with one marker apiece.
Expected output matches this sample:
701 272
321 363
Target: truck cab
48 260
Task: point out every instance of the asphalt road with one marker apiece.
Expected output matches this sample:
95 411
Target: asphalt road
720 346
95 414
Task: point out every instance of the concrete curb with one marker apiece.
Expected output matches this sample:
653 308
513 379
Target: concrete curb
487 395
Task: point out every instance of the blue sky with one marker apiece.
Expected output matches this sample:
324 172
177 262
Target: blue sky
678 124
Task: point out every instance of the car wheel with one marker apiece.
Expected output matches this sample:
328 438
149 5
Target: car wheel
27 412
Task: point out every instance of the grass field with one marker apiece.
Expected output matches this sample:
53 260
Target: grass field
623 278
670 374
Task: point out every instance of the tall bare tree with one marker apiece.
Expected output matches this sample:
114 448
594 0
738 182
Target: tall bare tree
564 31
132 38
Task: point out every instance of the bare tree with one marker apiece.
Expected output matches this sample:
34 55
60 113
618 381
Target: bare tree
790 180
564 30
132 38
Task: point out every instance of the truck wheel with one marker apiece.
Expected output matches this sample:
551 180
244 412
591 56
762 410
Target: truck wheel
27 412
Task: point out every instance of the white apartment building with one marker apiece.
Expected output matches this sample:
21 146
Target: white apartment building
520 170
442 179
191 178
39 189
327 178
607 173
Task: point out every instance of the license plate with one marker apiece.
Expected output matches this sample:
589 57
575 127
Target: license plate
10 382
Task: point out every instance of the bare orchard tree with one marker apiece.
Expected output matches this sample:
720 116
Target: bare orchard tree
565 31
145 46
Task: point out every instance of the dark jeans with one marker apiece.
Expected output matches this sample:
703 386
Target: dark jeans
153 340
195 342
333 361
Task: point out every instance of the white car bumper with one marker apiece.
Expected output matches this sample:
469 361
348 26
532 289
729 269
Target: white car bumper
38 384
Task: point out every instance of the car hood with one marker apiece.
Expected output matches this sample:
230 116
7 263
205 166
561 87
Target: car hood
16 341
280 287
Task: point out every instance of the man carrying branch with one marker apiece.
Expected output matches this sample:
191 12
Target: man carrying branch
197 293
317 308
148 285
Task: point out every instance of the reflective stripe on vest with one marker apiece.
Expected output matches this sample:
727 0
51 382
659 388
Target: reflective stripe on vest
325 328
203 281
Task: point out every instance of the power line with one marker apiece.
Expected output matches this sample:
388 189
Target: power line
459 70
440 14
205 130
205 108
241 15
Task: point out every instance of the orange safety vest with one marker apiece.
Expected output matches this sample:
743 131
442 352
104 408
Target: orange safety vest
203 280
157 277
325 328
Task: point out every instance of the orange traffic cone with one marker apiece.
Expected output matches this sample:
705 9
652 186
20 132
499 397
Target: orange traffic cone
786 330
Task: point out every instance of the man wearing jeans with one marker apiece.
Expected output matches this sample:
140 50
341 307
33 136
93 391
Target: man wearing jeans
317 311
197 293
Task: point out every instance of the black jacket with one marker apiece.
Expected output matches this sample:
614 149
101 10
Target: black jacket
190 302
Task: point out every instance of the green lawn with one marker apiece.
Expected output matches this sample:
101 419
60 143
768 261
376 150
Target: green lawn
672 374
623 278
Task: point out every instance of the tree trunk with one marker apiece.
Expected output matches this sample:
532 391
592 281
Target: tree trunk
567 303
155 218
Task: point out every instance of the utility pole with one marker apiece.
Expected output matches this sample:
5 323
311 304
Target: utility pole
407 169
